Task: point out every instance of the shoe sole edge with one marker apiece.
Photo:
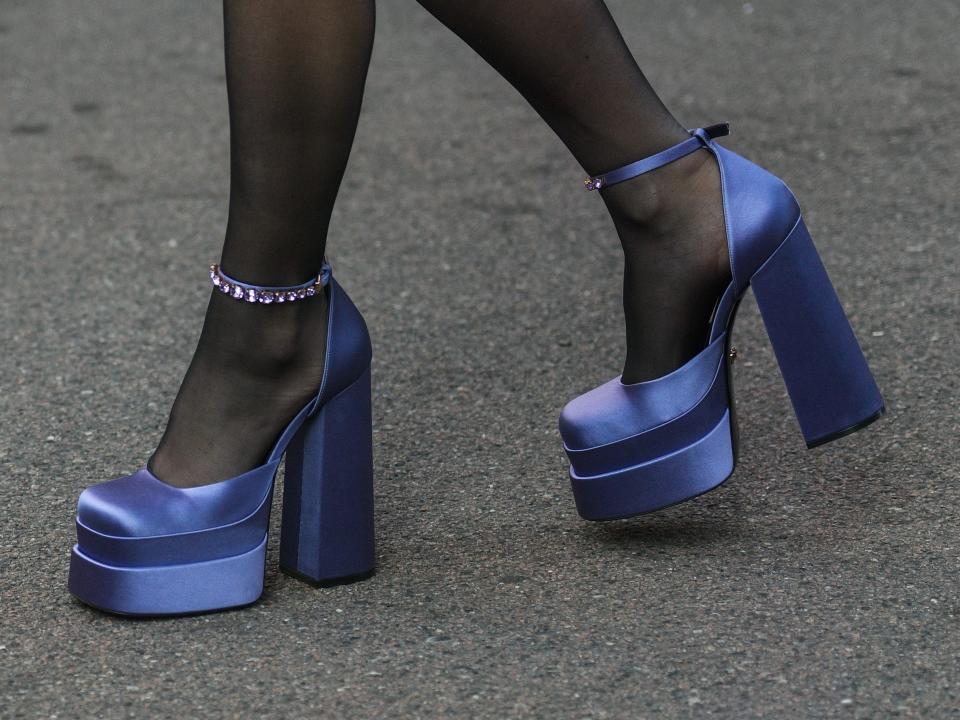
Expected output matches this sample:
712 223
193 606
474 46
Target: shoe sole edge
165 590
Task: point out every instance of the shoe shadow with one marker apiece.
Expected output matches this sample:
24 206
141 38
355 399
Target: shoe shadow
678 531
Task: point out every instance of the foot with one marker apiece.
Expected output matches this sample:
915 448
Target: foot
672 230
254 368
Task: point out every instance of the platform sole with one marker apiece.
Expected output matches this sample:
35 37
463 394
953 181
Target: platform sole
659 483
168 589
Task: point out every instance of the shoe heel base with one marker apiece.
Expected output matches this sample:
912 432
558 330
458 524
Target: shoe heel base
849 430
329 582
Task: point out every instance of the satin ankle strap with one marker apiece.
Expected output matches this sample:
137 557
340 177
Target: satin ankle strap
699 137
268 294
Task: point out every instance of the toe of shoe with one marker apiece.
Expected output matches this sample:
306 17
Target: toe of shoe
111 508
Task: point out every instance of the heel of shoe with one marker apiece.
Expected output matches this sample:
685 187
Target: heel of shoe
829 382
327 535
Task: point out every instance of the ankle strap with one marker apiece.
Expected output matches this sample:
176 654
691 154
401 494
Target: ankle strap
699 137
268 294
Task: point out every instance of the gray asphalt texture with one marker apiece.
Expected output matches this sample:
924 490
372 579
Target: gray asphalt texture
814 584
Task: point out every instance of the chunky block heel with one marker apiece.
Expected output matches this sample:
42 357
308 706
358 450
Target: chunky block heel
327 534
147 548
636 448
826 375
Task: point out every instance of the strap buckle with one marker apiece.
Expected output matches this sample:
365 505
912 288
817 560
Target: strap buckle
712 131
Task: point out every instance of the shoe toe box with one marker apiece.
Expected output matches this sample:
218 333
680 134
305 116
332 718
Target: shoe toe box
587 420
119 507
141 505
615 411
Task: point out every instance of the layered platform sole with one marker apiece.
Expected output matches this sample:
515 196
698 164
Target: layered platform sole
660 482
180 589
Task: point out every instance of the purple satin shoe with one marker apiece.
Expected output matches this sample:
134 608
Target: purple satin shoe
147 548
645 446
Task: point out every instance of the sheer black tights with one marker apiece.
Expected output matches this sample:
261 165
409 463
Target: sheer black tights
570 62
295 76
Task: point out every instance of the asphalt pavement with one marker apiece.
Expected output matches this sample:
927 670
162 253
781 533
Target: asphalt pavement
814 584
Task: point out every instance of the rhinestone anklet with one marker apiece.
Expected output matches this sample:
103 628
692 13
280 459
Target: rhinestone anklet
267 294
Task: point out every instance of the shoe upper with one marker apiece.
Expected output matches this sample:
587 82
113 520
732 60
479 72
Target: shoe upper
759 211
141 505
614 412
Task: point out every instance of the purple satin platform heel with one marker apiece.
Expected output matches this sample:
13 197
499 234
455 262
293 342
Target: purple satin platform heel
147 548
645 446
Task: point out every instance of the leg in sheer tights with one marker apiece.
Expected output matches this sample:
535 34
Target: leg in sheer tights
569 61
295 76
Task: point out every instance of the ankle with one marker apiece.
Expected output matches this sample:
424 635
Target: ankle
654 202
263 340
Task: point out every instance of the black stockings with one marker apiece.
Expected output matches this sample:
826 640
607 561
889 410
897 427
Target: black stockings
570 62
295 76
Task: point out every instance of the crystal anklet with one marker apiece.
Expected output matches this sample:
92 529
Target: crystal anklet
263 293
